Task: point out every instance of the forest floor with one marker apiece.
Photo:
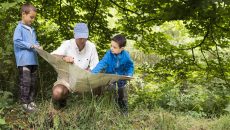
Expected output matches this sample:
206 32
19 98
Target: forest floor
102 113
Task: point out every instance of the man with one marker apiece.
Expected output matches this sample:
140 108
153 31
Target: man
78 51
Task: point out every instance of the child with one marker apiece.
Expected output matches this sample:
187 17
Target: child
26 57
117 61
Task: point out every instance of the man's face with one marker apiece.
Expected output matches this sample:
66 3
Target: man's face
81 42
29 18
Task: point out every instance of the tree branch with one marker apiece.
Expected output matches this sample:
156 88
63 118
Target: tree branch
125 9
59 14
94 13
219 60
126 14
193 55
222 28
201 50
205 36
147 20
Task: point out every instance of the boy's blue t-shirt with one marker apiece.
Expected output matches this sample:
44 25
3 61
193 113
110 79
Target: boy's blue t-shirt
24 38
120 64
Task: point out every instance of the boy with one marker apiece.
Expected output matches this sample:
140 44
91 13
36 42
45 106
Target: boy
117 61
26 57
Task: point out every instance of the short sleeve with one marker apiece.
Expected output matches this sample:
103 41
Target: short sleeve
62 49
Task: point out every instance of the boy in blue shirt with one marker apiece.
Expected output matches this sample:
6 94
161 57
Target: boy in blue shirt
117 61
26 57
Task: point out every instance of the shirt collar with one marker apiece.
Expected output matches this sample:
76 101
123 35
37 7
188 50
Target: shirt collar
118 55
26 26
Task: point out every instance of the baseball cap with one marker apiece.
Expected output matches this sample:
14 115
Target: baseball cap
81 31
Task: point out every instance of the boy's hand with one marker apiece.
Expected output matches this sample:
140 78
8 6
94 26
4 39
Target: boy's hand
32 46
128 77
68 59
40 47
36 46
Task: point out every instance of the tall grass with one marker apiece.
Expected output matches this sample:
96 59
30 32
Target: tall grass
97 113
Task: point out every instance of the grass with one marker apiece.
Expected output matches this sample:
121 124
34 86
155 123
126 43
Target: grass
102 113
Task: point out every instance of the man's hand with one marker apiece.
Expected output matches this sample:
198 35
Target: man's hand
88 69
68 59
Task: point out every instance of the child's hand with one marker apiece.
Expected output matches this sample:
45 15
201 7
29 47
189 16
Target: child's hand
32 46
68 59
40 47
36 46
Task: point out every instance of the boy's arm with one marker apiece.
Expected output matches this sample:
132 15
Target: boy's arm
102 64
19 42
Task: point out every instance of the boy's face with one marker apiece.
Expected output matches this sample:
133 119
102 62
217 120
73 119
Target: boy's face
29 18
115 48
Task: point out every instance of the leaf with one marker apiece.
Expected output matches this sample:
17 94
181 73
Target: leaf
227 108
1 52
56 121
7 5
7 61
2 121
20 1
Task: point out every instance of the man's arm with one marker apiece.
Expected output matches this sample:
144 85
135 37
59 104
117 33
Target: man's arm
67 59
61 53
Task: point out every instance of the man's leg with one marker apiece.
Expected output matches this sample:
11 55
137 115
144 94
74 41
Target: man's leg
59 96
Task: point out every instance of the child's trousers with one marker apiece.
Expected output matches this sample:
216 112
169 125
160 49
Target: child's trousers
27 83
120 94
123 99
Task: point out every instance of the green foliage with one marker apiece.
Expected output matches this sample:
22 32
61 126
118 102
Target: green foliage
222 123
182 58
5 103
6 99
8 20
205 99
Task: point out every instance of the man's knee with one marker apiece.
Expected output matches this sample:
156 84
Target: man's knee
60 92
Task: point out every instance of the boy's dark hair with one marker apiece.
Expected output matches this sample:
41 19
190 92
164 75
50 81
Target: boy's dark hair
26 8
120 39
